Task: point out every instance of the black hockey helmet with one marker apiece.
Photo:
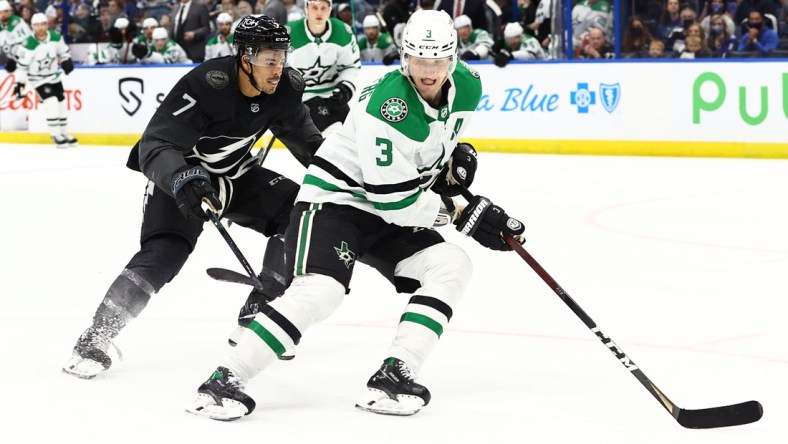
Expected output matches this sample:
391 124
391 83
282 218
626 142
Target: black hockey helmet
260 31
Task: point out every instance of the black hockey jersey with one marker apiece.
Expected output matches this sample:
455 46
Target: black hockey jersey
206 120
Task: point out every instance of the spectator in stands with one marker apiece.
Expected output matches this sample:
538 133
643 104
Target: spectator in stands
670 20
588 14
746 6
165 50
376 46
656 49
83 25
395 14
345 14
595 46
759 37
695 49
190 28
676 38
716 7
116 9
541 27
228 6
242 9
636 37
26 13
516 45
472 43
222 43
105 23
720 40
272 8
473 9
294 12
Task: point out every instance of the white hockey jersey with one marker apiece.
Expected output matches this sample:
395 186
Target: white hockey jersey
38 59
587 15
327 60
479 42
12 33
218 46
528 49
171 53
390 149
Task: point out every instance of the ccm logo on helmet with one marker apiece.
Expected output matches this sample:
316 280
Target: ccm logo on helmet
428 47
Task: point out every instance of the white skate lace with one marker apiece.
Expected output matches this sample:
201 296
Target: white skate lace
406 371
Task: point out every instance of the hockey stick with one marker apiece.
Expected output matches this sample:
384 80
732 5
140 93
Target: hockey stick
263 153
216 223
724 416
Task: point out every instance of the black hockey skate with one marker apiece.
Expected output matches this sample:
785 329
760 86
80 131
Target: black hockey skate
392 390
71 140
91 355
60 141
221 397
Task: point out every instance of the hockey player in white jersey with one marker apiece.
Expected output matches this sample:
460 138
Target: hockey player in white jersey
37 65
516 45
164 50
326 53
375 190
221 44
13 31
473 44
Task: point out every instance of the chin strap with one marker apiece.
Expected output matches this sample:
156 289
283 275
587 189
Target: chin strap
249 74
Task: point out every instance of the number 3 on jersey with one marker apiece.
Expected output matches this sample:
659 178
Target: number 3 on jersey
386 152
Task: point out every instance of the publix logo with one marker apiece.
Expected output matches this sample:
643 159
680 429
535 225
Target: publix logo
582 97
710 94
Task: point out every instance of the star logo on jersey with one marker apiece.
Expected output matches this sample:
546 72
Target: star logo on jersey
394 109
314 74
345 255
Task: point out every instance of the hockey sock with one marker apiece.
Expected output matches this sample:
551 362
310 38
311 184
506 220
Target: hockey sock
63 119
52 111
124 301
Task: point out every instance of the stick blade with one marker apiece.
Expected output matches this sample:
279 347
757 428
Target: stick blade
727 416
225 275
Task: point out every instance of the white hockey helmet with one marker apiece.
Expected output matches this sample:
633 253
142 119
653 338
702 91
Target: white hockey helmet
150 22
371 21
159 33
224 18
39 17
462 21
429 34
121 23
512 29
5 6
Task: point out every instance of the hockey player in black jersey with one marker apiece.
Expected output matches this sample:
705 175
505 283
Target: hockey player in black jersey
197 148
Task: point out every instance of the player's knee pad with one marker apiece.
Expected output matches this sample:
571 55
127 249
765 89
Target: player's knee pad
308 300
443 270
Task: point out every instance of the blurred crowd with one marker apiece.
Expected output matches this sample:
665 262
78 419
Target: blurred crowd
186 31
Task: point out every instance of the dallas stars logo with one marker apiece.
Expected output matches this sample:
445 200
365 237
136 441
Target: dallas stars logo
394 109
317 74
345 255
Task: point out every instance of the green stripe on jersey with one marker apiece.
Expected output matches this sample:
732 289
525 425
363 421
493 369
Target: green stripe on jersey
382 206
267 337
304 232
423 320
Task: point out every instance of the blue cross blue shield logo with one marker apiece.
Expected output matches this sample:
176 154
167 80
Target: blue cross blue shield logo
610 95
582 98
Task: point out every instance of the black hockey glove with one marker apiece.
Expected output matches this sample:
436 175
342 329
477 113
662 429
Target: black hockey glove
502 58
390 58
458 172
19 91
67 66
190 185
488 223
341 94
139 50
10 66
469 55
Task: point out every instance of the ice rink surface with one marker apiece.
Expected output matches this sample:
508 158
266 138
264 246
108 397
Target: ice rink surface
683 262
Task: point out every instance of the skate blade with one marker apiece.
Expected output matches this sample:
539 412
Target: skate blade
83 368
376 401
206 406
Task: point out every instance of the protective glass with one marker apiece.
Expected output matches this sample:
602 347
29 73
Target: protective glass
269 58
